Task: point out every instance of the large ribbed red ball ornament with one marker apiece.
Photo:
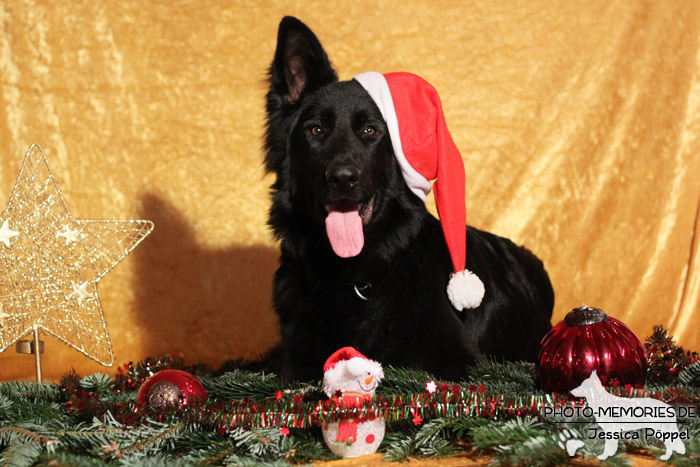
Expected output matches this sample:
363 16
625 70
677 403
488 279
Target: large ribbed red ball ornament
170 389
588 339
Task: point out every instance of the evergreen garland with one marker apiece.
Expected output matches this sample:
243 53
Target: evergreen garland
253 418
666 360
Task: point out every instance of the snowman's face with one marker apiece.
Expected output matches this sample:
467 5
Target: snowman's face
354 375
367 382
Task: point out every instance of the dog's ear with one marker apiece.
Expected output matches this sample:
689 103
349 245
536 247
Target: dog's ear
300 64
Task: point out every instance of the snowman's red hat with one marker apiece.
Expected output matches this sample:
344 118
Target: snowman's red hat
346 353
348 370
425 151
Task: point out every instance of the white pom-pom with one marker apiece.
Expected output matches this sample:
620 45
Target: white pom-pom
356 366
465 290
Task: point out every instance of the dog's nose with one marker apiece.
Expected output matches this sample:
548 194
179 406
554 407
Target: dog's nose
343 177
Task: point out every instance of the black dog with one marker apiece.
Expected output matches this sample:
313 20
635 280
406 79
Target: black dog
329 147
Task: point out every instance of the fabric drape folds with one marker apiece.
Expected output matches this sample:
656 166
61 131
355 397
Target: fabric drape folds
578 123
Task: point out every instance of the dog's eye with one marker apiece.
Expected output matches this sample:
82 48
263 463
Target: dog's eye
369 130
316 130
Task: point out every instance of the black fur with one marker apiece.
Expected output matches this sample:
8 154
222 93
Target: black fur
328 145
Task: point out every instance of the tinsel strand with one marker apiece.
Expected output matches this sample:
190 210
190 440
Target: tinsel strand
449 401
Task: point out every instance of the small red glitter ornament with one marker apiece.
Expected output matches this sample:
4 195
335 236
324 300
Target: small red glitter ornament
589 340
170 389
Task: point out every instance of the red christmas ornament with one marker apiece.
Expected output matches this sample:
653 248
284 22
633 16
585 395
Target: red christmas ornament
589 340
170 389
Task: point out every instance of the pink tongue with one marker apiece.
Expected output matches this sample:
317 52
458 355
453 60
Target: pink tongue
344 231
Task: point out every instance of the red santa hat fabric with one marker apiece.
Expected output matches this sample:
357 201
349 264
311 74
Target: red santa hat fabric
346 353
425 151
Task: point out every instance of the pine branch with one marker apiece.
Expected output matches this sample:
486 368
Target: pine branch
251 462
241 384
262 444
17 390
89 441
20 454
509 377
5 407
158 460
215 455
154 443
399 445
499 433
9 434
436 438
431 441
403 381
305 448
690 376
240 423
537 450
66 459
665 359
22 445
109 438
29 412
98 382
546 447
198 444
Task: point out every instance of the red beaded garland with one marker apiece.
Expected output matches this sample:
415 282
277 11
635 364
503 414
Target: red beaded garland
588 339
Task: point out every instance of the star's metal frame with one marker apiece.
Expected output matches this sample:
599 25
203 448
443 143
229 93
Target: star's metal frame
50 264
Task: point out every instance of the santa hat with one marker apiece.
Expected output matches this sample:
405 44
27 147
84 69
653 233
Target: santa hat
346 353
425 151
343 368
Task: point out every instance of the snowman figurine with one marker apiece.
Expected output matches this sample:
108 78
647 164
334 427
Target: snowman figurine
351 378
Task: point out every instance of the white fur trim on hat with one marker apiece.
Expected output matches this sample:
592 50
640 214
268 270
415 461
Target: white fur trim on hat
375 84
345 374
465 290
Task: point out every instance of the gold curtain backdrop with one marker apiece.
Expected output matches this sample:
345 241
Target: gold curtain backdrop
578 122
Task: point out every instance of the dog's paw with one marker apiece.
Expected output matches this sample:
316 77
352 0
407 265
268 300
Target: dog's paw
570 441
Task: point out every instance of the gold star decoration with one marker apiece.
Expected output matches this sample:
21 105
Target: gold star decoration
69 235
50 263
6 234
3 315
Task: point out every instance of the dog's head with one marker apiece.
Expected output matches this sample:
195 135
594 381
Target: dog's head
328 144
